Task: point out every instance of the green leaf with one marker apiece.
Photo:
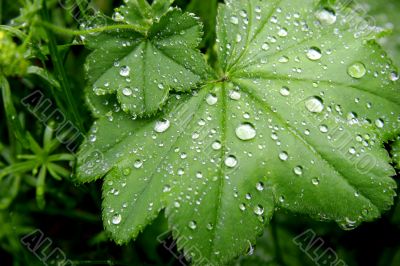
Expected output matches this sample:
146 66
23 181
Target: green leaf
143 68
297 120
396 153
386 16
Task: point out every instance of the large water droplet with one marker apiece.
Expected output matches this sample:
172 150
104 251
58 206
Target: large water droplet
246 131
357 70
314 104
314 53
394 76
161 125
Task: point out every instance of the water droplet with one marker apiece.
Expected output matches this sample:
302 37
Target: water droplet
192 225
242 206
117 17
161 125
166 188
260 186
116 219
282 32
124 71
258 210
231 161
216 145
211 99
283 156
238 38
315 181
357 70
126 171
323 128
314 104
298 170
379 123
234 20
234 95
265 46
127 92
325 15
314 53
281 199
394 76
246 131
160 86
138 163
285 91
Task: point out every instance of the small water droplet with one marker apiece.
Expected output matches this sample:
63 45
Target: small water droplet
357 70
265 46
246 131
394 76
211 99
260 186
192 225
230 161
124 71
258 210
234 95
216 145
285 91
234 20
314 53
327 16
323 128
116 219
315 181
138 164
379 123
283 156
298 170
127 92
314 104
161 125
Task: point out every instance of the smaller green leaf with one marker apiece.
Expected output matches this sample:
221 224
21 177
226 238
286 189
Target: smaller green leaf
143 68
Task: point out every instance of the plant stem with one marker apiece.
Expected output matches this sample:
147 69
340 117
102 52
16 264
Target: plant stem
65 31
14 125
274 233
59 68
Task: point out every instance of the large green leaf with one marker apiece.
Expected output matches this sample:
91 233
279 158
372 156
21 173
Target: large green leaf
297 120
142 67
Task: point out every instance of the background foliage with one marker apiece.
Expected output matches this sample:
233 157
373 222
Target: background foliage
69 214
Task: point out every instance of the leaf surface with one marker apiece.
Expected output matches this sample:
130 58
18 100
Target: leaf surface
297 121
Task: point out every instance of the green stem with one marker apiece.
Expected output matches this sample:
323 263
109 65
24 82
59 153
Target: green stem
59 68
65 31
14 125
274 233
